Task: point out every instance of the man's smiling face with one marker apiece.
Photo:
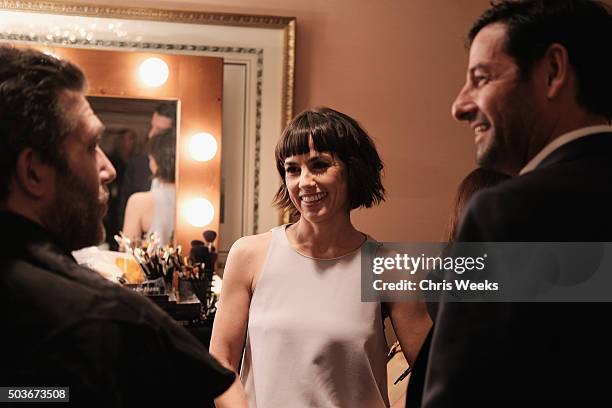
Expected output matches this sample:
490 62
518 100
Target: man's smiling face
499 105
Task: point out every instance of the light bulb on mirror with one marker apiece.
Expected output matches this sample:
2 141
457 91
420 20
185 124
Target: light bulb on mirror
154 72
199 212
203 146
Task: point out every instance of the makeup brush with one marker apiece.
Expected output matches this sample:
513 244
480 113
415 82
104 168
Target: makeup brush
209 237
200 254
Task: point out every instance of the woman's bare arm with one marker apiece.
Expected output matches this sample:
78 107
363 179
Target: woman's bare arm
411 323
243 265
132 222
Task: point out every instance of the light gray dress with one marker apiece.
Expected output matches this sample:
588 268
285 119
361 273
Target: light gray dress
164 210
311 342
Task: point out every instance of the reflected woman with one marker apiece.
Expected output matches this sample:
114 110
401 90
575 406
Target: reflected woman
291 297
154 211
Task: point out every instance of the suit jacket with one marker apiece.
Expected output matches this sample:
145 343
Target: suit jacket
530 354
64 325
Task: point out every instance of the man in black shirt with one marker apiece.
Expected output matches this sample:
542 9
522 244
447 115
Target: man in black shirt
64 325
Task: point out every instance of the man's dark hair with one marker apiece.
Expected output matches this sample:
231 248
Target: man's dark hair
168 110
583 27
163 150
339 134
30 113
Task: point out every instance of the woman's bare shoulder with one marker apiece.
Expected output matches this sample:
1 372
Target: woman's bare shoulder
141 200
246 259
252 245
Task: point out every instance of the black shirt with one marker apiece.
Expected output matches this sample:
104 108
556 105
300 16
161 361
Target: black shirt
65 325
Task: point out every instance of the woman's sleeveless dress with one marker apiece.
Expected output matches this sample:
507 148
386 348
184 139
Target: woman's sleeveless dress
311 342
164 211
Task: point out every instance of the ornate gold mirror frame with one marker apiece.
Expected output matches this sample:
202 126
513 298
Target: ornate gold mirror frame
259 58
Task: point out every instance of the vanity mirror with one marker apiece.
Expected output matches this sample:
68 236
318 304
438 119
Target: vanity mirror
128 123
257 55
195 84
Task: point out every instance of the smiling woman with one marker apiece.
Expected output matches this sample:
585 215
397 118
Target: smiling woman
329 166
337 139
316 183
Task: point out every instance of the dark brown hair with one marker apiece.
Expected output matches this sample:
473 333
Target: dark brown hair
30 113
583 27
477 180
168 110
163 150
339 134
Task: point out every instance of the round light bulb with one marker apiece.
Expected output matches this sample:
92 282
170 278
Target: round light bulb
199 212
202 147
154 72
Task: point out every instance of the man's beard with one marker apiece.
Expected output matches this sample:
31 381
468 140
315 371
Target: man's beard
508 149
506 152
494 155
75 216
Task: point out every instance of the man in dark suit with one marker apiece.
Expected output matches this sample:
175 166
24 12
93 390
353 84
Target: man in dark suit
538 97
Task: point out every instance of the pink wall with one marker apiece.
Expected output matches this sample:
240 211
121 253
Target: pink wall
396 66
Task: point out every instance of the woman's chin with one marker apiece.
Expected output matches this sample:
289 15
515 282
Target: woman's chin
318 215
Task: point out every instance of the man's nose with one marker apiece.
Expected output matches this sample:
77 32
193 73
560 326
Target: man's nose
463 107
106 169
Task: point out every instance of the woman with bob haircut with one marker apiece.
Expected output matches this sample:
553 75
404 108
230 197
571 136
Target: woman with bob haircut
153 211
291 300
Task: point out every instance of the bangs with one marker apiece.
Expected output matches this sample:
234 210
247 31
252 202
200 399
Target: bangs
293 142
306 127
333 132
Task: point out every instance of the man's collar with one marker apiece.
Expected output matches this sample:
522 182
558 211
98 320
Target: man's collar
25 232
563 140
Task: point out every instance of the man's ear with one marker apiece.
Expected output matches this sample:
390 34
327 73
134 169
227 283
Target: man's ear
557 68
33 176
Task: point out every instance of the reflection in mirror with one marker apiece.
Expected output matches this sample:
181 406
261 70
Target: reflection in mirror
131 127
195 83
257 53
153 211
